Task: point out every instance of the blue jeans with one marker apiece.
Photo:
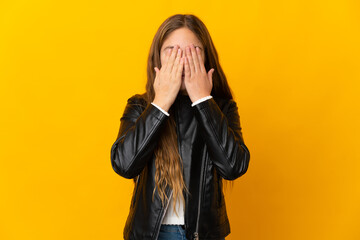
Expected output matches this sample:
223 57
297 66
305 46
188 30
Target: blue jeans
172 232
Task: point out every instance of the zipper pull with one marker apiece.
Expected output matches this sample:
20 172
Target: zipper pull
196 236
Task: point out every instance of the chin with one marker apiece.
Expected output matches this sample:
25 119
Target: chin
183 90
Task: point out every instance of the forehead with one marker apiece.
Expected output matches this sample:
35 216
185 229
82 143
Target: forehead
182 37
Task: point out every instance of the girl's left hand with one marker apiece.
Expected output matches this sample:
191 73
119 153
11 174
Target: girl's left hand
198 83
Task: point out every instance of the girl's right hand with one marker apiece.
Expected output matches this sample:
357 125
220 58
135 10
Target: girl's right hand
168 79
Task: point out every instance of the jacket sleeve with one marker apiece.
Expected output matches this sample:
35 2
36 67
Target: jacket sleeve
222 134
137 138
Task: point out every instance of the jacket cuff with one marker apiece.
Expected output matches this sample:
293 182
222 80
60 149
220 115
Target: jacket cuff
201 100
165 112
205 104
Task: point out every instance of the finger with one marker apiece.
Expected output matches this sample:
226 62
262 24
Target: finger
210 74
167 56
190 60
201 62
195 58
156 74
180 68
187 67
170 64
176 63
156 71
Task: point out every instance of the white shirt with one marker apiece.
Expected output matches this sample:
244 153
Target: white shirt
193 104
170 216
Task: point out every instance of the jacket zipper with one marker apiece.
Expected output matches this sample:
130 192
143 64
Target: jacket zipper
163 215
196 233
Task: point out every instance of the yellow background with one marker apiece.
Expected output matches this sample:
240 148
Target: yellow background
68 67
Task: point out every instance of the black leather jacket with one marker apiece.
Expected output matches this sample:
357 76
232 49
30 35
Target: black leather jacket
211 146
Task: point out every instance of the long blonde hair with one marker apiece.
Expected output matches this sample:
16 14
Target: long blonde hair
168 160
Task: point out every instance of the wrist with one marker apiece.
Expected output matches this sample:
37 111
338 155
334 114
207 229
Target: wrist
161 104
199 97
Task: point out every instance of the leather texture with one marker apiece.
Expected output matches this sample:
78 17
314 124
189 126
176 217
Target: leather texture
212 148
